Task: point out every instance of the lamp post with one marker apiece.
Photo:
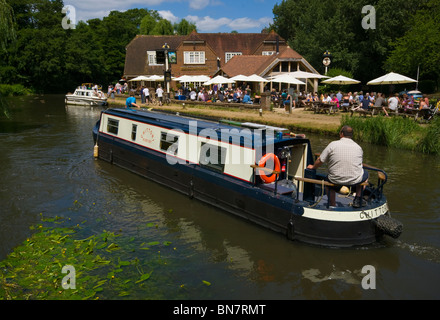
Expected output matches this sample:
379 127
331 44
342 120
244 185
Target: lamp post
167 73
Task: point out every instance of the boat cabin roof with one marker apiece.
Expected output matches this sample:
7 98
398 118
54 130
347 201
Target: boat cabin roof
208 128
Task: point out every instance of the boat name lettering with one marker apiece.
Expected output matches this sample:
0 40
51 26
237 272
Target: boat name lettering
373 213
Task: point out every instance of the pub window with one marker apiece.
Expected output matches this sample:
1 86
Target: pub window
112 126
169 142
133 131
230 55
194 57
212 157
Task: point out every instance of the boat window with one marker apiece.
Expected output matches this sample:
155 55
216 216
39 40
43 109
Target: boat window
133 132
169 142
212 157
112 126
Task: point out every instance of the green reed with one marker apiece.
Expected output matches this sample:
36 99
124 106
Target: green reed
396 132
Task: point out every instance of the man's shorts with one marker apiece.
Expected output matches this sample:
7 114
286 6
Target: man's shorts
338 186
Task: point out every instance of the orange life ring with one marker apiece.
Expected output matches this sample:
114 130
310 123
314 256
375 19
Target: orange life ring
262 163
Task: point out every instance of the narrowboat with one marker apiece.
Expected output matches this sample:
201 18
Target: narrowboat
254 171
84 96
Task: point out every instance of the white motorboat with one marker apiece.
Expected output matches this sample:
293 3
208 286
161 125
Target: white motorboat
84 96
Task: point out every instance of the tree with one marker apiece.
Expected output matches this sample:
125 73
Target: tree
314 26
420 45
163 27
184 27
7 31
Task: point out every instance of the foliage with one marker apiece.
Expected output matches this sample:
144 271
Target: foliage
420 45
13 90
7 31
34 270
48 58
314 26
396 132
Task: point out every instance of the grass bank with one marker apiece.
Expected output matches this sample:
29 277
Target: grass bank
396 132
299 121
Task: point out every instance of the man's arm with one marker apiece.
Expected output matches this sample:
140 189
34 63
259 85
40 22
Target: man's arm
316 165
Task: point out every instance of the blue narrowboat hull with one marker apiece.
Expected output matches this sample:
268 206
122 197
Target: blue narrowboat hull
288 215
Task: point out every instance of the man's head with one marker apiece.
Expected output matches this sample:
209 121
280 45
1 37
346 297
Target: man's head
346 132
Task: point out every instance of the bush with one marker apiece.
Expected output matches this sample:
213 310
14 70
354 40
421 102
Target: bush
7 90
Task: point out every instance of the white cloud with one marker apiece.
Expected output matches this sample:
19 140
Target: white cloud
167 14
90 9
207 23
201 4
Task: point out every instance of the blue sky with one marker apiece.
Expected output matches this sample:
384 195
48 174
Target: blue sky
243 16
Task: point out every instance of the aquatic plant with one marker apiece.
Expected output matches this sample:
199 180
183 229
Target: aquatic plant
34 270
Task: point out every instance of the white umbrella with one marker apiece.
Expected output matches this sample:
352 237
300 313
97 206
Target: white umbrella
140 78
155 78
285 78
218 80
391 78
240 77
341 80
304 75
256 78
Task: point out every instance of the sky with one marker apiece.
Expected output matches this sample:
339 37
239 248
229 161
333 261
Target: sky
243 16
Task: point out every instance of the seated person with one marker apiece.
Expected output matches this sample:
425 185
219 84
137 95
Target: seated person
247 98
344 159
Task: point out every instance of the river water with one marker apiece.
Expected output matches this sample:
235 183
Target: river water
47 167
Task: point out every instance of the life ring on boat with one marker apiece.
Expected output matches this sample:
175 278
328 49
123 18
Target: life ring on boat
262 163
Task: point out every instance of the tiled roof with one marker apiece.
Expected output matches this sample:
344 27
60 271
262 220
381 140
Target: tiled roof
247 65
257 64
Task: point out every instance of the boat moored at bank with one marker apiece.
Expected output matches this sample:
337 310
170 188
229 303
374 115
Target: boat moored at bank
254 171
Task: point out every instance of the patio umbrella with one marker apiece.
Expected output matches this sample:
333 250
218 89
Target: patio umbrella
306 75
391 78
240 77
140 78
341 80
286 78
256 78
218 80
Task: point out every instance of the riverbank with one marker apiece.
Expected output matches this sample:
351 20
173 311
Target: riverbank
7 90
396 132
299 121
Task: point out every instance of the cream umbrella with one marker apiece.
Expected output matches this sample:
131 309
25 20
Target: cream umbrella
341 80
286 78
218 80
391 78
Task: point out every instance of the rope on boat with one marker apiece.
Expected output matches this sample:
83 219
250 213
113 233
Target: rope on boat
320 197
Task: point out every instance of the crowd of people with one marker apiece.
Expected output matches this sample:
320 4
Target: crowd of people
283 98
352 101
240 94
